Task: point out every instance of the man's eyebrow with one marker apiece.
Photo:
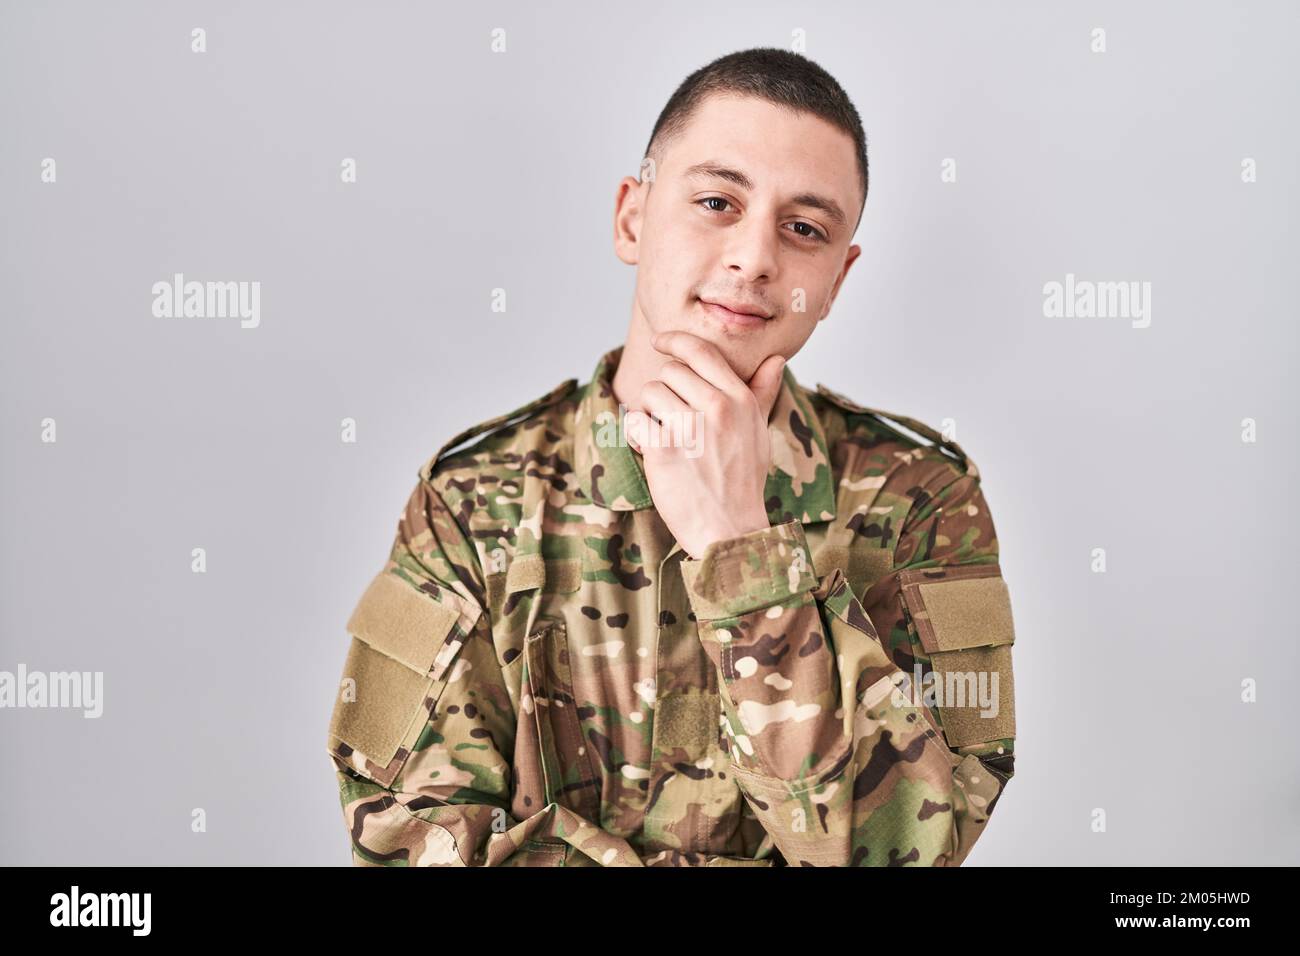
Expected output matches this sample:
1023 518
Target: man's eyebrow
716 171
828 206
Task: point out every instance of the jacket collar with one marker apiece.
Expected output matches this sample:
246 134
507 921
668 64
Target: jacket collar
799 483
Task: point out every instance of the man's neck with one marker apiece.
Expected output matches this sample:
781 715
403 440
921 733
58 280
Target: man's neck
638 364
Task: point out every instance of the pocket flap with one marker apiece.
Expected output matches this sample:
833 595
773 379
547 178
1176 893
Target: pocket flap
410 626
959 607
558 575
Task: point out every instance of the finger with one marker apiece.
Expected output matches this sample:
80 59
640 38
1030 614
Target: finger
702 356
766 382
686 382
634 429
665 405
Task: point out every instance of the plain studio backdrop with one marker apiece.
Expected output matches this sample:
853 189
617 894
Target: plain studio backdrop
479 170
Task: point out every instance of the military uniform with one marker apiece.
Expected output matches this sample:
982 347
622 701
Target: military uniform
540 676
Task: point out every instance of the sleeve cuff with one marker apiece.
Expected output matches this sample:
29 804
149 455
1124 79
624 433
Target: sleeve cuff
749 572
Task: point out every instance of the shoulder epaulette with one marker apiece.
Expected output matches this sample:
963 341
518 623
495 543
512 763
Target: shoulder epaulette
500 421
911 424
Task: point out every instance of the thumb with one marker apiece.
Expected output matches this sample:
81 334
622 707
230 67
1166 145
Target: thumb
765 383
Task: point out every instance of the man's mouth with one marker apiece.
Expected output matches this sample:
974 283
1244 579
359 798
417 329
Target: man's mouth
736 313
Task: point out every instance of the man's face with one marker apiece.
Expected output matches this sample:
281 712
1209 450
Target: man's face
771 245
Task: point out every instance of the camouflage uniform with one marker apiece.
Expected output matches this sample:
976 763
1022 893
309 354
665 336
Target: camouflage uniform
540 676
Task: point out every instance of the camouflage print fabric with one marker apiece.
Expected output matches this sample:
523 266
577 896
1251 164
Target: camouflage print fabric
540 676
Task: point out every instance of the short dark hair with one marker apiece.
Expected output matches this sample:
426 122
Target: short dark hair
771 73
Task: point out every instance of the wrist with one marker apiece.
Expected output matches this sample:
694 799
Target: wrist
732 529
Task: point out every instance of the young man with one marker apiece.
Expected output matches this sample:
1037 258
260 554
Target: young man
746 623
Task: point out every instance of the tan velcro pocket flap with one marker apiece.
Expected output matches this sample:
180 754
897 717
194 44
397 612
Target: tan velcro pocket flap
559 575
957 607
385 698
403 642
963 621
862 566
528 572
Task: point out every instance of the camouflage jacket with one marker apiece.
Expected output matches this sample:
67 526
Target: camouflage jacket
540 676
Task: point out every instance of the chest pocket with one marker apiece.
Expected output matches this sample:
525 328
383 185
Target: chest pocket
553 761
515 586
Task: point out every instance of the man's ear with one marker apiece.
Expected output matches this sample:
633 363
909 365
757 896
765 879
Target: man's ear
850 258
629 210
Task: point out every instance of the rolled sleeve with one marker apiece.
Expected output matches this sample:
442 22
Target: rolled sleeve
747 573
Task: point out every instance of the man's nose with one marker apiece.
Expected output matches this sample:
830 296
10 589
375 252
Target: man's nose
751 249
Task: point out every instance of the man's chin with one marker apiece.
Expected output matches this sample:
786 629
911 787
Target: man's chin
741 356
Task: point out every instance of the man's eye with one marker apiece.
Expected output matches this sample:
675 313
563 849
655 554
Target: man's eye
813 232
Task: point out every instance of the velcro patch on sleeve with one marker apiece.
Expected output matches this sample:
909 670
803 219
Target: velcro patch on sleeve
396 619
962 616
958 607
403 642
375 713
971 613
